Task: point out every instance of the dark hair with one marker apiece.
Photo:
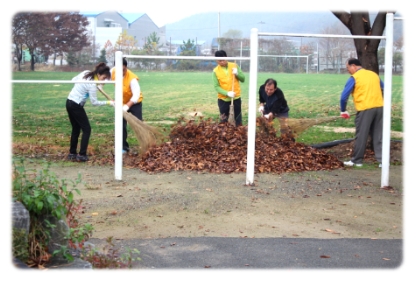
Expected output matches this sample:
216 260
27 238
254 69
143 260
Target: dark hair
220 53
124 62
270 81
100 69
354 61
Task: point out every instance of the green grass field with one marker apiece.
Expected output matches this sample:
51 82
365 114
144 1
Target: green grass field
39 115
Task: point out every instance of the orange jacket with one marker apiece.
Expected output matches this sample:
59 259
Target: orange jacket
127 93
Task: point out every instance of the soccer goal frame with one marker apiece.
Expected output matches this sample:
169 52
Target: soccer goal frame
387 92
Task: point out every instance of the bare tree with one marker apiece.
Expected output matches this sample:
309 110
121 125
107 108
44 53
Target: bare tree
334 49
358 23
45 33
69 34
17 37
33 31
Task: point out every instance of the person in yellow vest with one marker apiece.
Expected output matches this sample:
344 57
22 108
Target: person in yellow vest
222 77
132 98
366 89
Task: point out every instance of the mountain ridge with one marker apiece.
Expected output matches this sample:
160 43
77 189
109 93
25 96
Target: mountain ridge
206 26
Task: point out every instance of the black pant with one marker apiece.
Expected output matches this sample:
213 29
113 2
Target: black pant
136 110
79 121
224 107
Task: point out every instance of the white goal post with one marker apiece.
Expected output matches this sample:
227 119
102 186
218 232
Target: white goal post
387 93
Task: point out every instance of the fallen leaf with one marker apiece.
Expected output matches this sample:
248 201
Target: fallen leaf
207 266
94 214
325 257
386 259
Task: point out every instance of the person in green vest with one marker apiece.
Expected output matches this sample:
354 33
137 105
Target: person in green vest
226 77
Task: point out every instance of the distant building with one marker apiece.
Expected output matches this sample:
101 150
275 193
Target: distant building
106 28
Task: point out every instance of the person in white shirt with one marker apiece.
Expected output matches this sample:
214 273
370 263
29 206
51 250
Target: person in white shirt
76 112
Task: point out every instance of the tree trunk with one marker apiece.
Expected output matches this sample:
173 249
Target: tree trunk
32 60
358 23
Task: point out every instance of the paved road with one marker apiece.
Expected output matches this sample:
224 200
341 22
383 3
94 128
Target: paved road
265 253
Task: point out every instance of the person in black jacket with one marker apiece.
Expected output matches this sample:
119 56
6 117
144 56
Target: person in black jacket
273 104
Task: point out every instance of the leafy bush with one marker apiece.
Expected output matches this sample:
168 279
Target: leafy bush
45 197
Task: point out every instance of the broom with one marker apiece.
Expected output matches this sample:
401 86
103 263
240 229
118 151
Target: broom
145 134
297 126
231 118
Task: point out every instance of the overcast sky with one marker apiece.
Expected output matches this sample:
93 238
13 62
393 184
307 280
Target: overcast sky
163 12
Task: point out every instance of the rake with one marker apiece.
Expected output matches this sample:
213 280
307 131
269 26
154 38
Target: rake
145 134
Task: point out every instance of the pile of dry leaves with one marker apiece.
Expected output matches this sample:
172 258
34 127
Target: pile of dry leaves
222 148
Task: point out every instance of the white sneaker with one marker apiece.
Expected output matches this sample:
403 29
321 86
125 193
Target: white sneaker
379 165
350 163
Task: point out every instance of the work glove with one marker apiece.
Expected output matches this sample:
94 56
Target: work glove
261 109
235 71
231 94
345 115
126 107
267 116
111 102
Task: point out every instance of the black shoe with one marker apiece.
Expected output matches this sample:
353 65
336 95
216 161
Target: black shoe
82 158
71 156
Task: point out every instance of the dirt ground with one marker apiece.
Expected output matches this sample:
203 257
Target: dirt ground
342 203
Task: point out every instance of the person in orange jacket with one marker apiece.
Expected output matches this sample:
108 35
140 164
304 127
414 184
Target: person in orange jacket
132 98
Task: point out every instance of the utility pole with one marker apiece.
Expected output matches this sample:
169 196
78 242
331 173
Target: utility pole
218 38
